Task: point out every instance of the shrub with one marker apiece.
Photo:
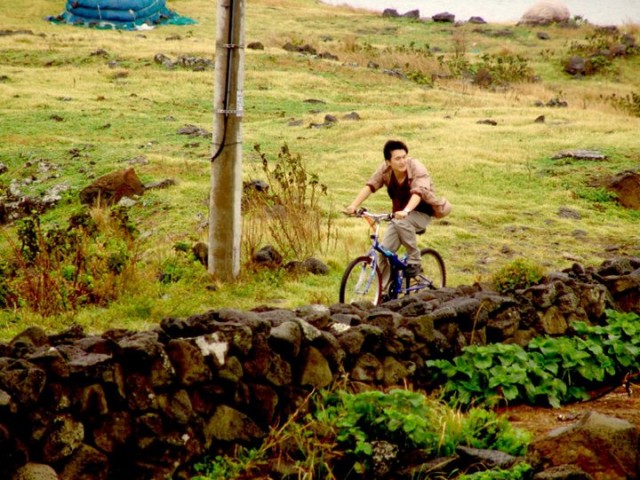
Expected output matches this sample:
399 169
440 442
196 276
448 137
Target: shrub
62 269
629 103
518 274
601 47
287 209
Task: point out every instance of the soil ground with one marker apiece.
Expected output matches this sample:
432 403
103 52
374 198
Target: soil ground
618 403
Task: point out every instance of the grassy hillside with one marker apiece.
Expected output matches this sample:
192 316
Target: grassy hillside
90 102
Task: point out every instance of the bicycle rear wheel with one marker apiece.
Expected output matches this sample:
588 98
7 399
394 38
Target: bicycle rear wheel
362 280
434 274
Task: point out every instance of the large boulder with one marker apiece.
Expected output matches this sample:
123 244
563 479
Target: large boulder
111 188
604 447
626 186
545 12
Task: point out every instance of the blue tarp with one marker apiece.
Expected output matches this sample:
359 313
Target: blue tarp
119 14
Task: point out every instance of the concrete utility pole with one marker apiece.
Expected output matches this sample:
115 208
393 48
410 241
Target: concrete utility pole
226 161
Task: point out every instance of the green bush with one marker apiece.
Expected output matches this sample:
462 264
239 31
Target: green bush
521 471
516 275
58 270
350 425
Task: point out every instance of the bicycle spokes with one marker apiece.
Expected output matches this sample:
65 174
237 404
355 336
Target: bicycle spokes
365 279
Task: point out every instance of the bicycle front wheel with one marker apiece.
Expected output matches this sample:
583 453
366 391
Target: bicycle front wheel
362 280
434 274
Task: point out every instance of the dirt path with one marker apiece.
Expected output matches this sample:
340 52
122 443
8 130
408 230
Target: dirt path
539 420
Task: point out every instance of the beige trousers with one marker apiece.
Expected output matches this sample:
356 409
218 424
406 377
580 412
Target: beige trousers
402 233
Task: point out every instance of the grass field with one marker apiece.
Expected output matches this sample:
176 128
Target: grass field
89 102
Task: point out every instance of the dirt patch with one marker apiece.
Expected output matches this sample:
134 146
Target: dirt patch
618 403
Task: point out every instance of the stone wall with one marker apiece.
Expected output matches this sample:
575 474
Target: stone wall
142 405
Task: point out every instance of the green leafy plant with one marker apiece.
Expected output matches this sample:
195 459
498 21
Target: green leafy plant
411 421
596 195
520 471
482 428
520 273
551 370
497 373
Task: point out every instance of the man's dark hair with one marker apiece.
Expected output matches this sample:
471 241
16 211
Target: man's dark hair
392 145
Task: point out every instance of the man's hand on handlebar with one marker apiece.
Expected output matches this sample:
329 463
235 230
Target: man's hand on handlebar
351 210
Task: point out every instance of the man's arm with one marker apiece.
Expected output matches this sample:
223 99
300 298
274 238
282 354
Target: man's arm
361 197
413 202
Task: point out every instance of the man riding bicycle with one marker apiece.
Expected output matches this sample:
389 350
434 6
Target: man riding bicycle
414 203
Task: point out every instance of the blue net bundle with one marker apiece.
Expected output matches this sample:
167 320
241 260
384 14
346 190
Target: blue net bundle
119 14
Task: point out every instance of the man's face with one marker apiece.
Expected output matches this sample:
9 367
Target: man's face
398 161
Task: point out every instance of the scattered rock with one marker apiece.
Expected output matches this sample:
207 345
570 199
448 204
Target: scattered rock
268 256
329 121
101 52
315 266
412 14
195 64
554 102
304 49
166 183
580 155
201 251
503 32
4 33
35 471
487 122
139 160
566 212
193 131
444 17
328 56
315 101
395 73
477 20
576 66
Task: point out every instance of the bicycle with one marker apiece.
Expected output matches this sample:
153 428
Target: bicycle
362 279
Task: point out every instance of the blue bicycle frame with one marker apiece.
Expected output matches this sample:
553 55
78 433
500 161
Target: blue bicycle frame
397 265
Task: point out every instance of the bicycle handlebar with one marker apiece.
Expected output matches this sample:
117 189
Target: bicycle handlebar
376 217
